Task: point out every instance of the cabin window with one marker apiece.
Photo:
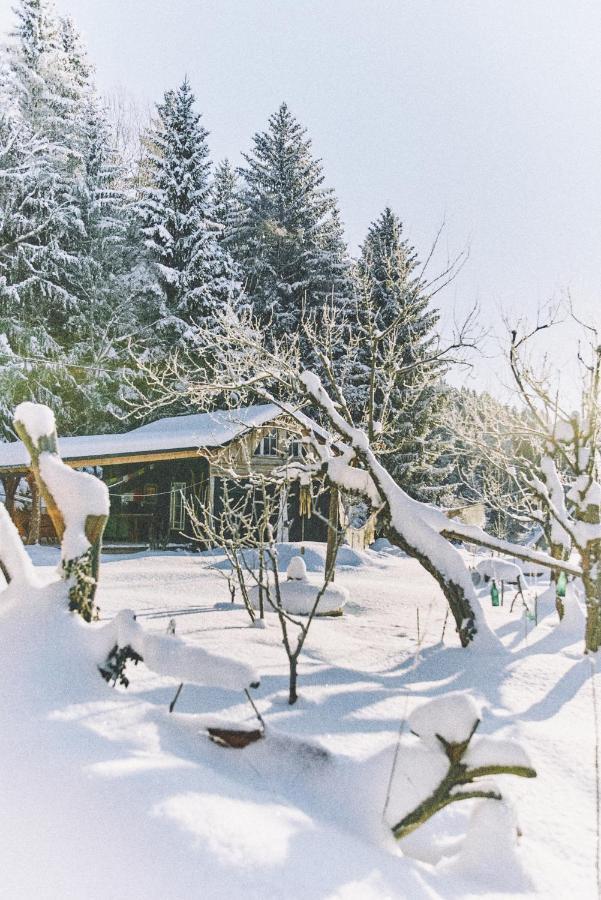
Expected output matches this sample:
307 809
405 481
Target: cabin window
176 506
295 449
268 445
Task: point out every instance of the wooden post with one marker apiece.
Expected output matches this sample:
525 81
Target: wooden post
10 483
35 518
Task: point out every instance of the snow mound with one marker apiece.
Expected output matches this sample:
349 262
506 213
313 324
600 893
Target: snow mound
489 851
381 545
312 552
452 717
297 569
499 569
298 597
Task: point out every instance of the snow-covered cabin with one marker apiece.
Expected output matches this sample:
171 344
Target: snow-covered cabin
149 470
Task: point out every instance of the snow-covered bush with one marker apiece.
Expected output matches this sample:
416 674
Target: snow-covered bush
446 727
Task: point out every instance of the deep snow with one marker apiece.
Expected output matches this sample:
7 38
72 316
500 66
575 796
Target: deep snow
104 793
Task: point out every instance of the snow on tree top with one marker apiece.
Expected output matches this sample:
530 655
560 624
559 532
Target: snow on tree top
37 419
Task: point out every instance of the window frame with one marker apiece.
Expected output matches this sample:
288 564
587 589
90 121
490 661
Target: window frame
177 509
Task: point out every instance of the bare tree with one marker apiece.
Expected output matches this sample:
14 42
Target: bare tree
565 475
128 124
244 529
242 363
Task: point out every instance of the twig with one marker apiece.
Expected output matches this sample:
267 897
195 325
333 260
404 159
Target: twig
257 713
175 699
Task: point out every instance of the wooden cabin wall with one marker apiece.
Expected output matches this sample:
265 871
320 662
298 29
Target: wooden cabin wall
148 520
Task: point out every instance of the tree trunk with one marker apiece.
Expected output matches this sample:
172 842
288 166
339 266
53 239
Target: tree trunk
292 695
590 561
332 532
557 552
591 579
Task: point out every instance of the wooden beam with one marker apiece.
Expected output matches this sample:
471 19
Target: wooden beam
81 462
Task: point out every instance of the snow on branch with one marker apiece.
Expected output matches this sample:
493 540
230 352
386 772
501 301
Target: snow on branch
77 503
15 563
169 655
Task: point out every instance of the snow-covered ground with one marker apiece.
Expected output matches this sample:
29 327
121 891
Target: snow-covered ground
106 794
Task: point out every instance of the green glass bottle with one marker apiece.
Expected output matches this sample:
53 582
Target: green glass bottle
494 593
561 585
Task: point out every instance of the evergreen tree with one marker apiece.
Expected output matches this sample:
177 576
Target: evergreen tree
395 388
40 95
289 239
192 272
105 258
62 241
226 205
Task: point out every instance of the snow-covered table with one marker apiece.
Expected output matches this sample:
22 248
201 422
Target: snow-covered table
299 591
499 569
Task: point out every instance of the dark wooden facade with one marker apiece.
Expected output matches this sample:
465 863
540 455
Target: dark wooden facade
149 491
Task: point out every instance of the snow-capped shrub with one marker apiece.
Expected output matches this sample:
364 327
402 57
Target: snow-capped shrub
446 726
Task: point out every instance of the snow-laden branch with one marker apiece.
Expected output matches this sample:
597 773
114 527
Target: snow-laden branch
14 560
171 656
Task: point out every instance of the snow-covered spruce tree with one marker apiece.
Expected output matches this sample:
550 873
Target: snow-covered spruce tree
36 216
192 272
64 252
289 240
106 254
395 389
225 200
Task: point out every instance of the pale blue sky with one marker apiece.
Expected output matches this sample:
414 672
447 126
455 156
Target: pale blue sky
483 112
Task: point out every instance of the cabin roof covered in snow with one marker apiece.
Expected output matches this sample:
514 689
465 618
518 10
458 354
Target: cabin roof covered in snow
174 435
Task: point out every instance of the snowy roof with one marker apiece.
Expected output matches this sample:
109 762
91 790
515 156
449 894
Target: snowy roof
191 432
